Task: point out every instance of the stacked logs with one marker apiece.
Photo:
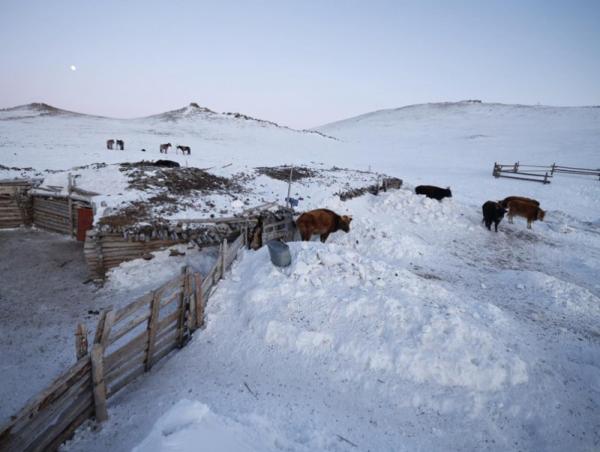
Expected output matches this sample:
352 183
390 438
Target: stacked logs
15 204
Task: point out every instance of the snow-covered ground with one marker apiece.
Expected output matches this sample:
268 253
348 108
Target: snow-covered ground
418 330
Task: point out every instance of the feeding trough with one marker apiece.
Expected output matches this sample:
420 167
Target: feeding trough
280 253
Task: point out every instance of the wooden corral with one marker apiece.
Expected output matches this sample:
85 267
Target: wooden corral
127 343
15 203
106 247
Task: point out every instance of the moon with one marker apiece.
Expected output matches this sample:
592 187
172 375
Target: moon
73 67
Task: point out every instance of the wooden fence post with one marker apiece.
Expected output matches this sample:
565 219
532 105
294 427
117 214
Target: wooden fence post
98 382
223 257
81 341
199 300
182 308
152 325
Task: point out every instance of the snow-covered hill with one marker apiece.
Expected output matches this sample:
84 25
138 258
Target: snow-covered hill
44 137
456 144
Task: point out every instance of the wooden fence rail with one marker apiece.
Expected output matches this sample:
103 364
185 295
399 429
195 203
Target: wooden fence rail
127 343
539 173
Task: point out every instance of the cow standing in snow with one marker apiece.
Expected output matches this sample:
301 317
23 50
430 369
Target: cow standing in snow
164 148
433 192
321 222
110 144
493 212
508 199
527 210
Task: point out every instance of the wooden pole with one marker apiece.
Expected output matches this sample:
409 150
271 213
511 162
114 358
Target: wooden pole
199 300
98 382
81 341
182 309
223 257
152 326
289 201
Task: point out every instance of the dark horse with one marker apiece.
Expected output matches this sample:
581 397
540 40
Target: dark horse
185 150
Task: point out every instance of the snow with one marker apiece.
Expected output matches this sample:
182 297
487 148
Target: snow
408 333
417 330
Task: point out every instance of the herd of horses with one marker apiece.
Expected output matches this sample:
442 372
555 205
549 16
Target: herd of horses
323 222
163 148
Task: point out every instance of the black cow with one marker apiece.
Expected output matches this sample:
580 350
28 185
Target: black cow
493 212
433 192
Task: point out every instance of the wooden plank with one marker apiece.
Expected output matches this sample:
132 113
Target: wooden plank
56 431
170 329
58 387
132 324
165 351
152 329
165 322
199 300
125 381
124 369
122 354
169 300
182 308
107 327
40 428
81 341
27 430
133 306
70 430
98 382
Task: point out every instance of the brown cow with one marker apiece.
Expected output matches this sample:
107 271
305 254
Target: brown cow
526 210
322 222
505 201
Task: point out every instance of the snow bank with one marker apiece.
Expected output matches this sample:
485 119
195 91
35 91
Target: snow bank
192 426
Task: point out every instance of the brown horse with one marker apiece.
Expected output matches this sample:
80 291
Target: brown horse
110 144
322 222
164 148
184 150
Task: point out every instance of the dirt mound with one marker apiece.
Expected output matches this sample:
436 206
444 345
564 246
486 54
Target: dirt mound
178 181
283 172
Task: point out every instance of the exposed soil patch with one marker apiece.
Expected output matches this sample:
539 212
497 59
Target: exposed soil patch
283 172
133 213
177 181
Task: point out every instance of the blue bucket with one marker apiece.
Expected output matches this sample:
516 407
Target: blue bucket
280 253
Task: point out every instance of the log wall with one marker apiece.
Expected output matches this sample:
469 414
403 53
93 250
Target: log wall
15 204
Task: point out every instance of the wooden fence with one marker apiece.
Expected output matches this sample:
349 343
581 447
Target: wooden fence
539 173
128 342
15 204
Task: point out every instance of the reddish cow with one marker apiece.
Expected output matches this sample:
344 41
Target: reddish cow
322 222
526 210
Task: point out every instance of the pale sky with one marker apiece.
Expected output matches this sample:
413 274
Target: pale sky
302 63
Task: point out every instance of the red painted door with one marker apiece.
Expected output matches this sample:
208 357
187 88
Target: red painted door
85 220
